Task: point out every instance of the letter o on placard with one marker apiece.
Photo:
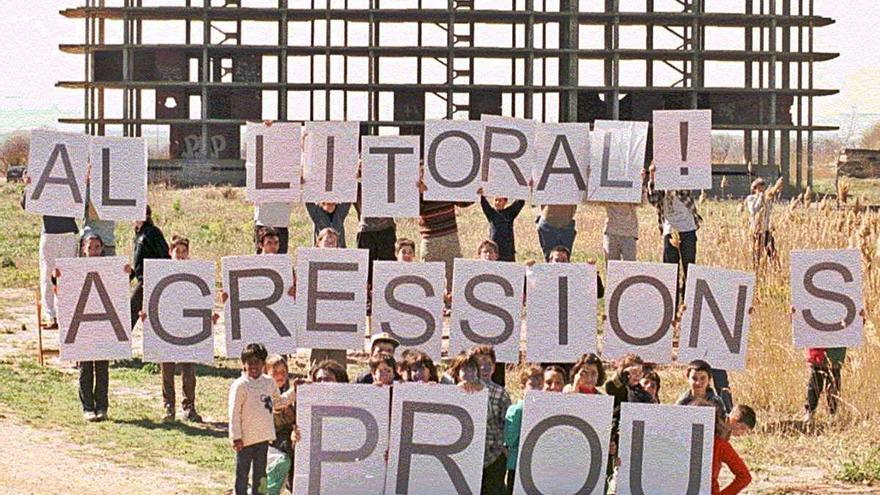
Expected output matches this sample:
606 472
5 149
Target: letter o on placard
432 159
614 310
527 450
204 314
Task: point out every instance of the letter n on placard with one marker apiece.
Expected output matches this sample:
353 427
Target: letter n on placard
119 177
259 308
665 449
274 162
438 437
93 309
58 163
344 438
826 292
639 309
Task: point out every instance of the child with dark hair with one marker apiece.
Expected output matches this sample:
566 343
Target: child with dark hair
327 214
651 385
405 250
488 251
723 452
501 217
417 366
699 375
587 375
530 378
630 369
268 241
149 243
328 371
382 368
554 378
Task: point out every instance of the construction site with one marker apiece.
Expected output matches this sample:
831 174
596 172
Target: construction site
190 73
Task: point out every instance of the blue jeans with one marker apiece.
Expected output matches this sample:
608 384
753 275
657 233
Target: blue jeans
550 237
252 455
722 388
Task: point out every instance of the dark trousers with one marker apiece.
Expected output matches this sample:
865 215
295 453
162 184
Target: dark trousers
136 302
823 378
686 253
94 380
722 388
380 244
498 374
188 379
549 237
511 480
283 238
493 477
251 456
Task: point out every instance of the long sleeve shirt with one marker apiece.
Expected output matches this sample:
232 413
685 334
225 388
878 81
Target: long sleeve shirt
501 227
149 243
512 430
724 453
251 404
322 220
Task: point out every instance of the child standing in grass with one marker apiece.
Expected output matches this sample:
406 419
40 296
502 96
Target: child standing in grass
556 227
501 216
825 365
280 453
530 378
760 206
699 375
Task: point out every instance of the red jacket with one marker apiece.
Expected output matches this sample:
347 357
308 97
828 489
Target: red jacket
724 453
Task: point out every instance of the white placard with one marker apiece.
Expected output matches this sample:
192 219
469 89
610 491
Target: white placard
408 303
430 423
331 297
58 163
453 154
508 156
389 176
670 446
560 312
715 324
119 177
563 443
179 304
640 308
93 309
617 178
330 163
344 438
826 292
274 162
683 149
259 308
486 307
562 163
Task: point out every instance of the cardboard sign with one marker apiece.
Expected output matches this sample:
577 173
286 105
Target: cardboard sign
560 312
331 297
344 438
274 162
617 158
486 306
453 159
640 307
826 292
408 303
119 177
179 303
57 165
438 436
389 174
331 161
93 309
715 324
508 155
563 443
665 449
563 163
683 149
259 308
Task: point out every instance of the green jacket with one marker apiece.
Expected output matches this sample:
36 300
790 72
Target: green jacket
512 429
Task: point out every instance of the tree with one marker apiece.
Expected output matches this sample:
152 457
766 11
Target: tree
14 151
871 137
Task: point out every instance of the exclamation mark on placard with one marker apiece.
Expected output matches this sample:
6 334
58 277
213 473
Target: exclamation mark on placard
683 141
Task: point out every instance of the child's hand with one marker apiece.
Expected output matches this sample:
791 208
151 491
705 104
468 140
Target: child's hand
237 445
292 291
214 318
143 315
791 314
421 185
530 263
26 179
127 268
56 273
296 436
480 191
223 296
751 310
470 387
267 123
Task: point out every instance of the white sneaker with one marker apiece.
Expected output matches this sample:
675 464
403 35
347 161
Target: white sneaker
808 416
90 416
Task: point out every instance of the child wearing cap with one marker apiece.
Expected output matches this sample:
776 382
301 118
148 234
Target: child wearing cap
381 343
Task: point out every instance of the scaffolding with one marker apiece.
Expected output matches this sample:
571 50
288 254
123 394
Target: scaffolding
393 63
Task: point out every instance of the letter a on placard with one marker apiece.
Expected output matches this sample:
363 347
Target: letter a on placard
57 165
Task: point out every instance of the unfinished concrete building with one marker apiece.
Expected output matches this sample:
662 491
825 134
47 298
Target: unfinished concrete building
190 73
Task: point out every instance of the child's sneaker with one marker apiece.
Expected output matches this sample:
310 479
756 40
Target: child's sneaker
169 415
808 416
90 416
100 415
193 417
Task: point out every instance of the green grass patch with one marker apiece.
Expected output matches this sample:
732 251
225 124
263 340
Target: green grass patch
863 467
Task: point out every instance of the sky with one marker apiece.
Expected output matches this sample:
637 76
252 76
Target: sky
30 32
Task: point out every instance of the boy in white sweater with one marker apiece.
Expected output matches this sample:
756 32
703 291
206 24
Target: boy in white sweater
252 398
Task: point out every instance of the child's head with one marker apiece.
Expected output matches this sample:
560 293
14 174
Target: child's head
651 384
488 251
588 372
631 367
92 245
382 368
559 254
270 241
148 218
500 203
758 185
418 367
554 378
405 250
328 371
467 368
699 375
253 359
179 248
742 420
327 206
485 355
276 367
383 343
531 378
327 238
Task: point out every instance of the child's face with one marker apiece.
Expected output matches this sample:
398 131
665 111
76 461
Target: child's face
383 347
488 254
499 203
93 247
418 372
634 374
699 381
553 381
487 367
328 206
650 386
270 245
180 252
406 253
325 376
738 428
588 376
535 382
328 241
253 367
279 374
760 188
469 374
558 257
383 374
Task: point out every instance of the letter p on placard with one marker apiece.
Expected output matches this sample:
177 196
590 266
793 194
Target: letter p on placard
683 149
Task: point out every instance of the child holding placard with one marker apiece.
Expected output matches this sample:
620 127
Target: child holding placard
651 385
530 378
417 366
699 375
825 365
329 215
501 217
382 369
588 374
